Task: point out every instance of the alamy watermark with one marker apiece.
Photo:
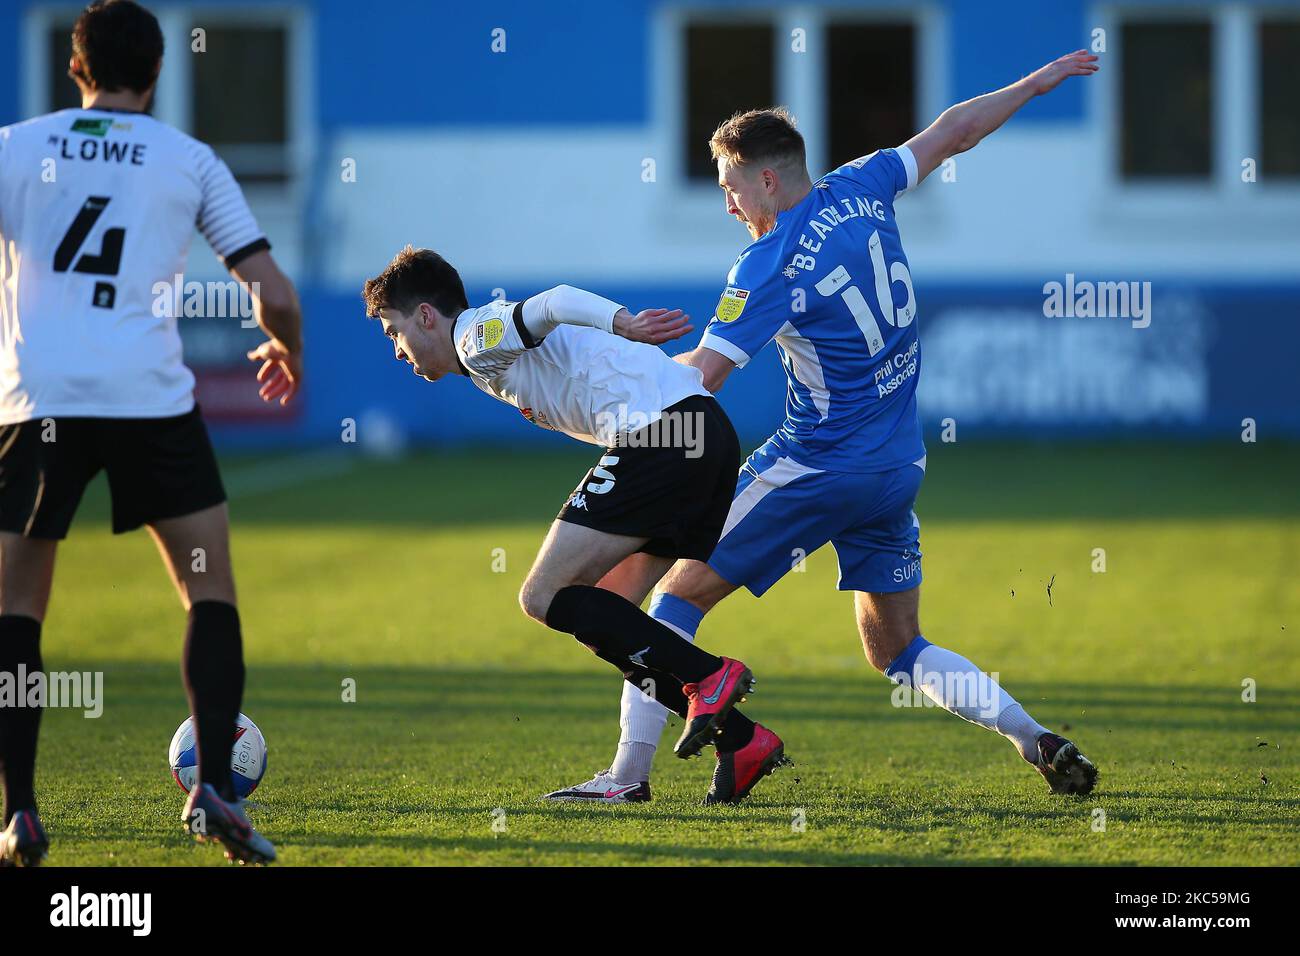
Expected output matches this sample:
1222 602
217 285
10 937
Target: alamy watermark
975 693
227 299
637 429
1084 299
75 908
77 690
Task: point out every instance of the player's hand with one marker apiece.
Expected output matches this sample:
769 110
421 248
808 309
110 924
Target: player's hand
281 371
1048 78
653 326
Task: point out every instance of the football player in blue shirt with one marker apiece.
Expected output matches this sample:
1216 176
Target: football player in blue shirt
827 278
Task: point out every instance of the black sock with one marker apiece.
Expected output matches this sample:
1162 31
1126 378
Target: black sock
664 688
20 647
736 732
619 631
213 667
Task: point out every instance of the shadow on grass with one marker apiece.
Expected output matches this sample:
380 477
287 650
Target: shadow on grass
505 693
652 853
507 699
430 744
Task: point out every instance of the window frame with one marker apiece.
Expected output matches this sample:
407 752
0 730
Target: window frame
747 17
1274 12
280 207
1235 123
929 64
799 83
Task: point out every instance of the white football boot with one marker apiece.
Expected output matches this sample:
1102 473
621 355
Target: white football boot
602 788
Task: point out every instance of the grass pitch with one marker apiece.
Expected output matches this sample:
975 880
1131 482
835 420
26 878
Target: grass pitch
382 572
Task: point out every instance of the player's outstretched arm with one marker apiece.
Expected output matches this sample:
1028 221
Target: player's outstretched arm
960 127
275 305
653 326
565 305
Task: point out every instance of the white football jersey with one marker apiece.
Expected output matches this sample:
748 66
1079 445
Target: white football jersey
97 208
589 383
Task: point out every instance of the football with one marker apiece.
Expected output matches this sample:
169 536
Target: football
247 756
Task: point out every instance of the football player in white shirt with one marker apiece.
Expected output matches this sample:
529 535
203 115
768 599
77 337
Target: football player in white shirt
91 378
581 364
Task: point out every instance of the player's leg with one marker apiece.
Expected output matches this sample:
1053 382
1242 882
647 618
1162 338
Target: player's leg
880 559
44 468
195 549
656 494
776 514
560 591
622 781
891 636
645 704
163 475
633 578
767 521
686 593
26 572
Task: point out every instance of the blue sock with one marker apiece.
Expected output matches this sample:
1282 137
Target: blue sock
900 668
682 616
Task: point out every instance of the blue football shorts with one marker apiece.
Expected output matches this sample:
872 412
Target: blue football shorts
783 511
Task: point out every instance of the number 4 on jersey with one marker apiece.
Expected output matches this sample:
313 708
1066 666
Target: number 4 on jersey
105 263
109 258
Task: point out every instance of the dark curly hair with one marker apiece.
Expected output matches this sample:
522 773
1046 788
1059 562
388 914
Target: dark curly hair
118 45
415 276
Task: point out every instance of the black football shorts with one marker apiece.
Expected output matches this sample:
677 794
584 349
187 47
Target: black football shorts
157 468
671 482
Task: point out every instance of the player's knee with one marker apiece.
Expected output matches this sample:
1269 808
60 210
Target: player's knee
535 599
697 583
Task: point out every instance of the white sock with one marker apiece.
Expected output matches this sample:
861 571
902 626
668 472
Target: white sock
1022 730
957 685
632 762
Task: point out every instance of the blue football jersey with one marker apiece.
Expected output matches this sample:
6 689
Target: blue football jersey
831 284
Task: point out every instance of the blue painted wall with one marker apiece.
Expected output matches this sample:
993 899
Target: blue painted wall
422 65
1242 346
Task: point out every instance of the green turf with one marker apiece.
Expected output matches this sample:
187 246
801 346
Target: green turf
382 572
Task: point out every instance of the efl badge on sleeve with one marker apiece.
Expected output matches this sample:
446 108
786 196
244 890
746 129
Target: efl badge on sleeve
731 304
487 334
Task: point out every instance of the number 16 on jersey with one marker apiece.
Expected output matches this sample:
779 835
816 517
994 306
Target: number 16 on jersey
838 281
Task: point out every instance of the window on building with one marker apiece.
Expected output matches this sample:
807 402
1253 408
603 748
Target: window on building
1279 115
729 67
1166 75
62 90
239 105
238 91
870 75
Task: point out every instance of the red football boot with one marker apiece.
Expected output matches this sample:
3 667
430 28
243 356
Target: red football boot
710 700
739 770
23 842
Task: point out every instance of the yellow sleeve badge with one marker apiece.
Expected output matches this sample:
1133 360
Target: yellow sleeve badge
731 304
487 334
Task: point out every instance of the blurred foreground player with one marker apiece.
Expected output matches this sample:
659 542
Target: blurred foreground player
91 378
